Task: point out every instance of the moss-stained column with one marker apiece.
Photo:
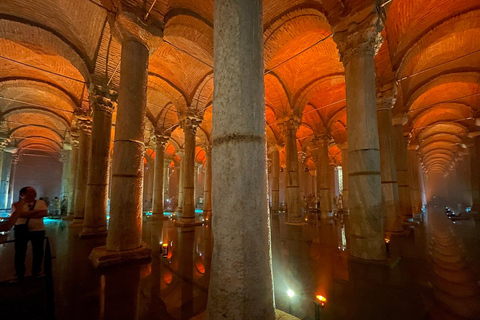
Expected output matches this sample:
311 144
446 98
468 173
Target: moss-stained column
241 277
358 44
275 179
103 103
401 163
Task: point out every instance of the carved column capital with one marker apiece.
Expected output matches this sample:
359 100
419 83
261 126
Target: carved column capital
161 139
190 124
400 119
359 39
4 142
85 125
289 125
103 99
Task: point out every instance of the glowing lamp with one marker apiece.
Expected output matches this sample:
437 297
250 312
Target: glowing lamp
321 298
290 293
164 250
319 303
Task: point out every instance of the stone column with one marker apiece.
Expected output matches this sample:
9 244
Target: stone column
275 179
85 144
3 144
388 171
292 193
189 126
358 45
158 180
181 154
95 224
474 150
6 167
401 164
13 171
320 157
241 278
207 190
74 141
166 179
124 241
344 149
65 160
414 179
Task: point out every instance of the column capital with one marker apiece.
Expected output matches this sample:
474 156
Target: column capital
386 97
321 140
85 125
400 119
190 124
289 124
15 157
103 99
161 139
130 26
4 141
359 39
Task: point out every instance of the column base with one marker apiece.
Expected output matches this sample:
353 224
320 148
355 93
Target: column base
296 223
68 218
187 223
76 223
101 257
92 232
386 263
159 216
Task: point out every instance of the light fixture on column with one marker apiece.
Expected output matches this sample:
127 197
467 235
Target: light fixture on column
319 303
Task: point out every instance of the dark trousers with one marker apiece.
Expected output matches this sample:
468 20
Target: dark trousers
22 236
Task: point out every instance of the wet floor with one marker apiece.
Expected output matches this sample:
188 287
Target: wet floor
432 273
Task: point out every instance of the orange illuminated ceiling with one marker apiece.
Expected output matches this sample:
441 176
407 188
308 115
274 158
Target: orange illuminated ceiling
52 49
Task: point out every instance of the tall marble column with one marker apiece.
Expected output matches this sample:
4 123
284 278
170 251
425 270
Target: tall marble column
75 143
241 277
158 181
275 179
292 192
388 171
207 190
85 145
358 45
189 126
474 150
320 157
13 171
124 240
414 179
401 163
344 149
65 160
103 102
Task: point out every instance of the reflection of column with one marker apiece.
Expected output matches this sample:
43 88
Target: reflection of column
358 45
388 171
239 193
323 182
121 296
95 223
124 241
207 190
186 242
74 137
189 126
344 149
275 179
13 171
294 212
401 164
159 181
85 143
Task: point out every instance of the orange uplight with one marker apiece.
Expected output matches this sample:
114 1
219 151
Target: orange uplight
321 298
387 241
164 245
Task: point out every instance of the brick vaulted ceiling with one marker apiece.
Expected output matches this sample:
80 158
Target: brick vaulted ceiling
51 50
